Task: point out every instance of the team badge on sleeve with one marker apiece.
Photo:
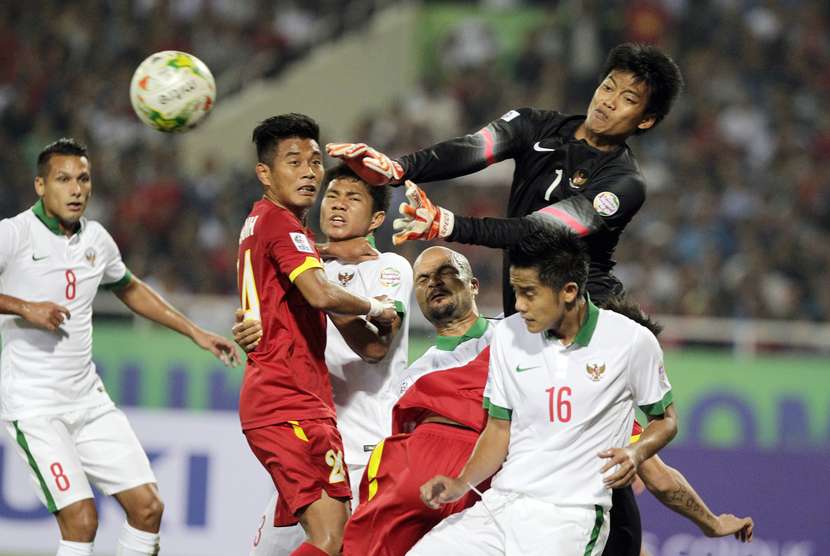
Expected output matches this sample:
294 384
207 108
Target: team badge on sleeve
510 116
390 277
301 242
606 203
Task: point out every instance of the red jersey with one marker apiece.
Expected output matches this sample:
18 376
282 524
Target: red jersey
448 380
286 376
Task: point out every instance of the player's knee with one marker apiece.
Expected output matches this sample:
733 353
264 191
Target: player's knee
330 539
147 516
79 522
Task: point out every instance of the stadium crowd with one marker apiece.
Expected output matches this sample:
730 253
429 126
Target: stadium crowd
737 217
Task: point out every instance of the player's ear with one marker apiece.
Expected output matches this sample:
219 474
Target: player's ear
474 285
263 173
647 122
377 220
40 186
569 293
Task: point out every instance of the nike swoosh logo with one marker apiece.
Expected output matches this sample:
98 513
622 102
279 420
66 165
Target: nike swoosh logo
521 370
39 258
541 149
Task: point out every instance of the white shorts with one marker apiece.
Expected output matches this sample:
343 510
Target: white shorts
282 541
65 452
519 526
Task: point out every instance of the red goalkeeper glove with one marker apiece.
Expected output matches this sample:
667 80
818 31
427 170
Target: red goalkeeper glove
421 219
373 167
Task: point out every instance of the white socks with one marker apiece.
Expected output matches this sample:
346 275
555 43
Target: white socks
132 542
69 548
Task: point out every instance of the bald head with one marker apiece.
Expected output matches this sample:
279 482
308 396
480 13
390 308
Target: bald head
444 285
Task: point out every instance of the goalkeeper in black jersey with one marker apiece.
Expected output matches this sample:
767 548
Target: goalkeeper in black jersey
573 171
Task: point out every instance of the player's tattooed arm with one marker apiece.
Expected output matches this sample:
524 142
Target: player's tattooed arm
673 490
43 314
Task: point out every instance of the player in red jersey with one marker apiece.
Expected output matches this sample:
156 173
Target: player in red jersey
286 406
437 420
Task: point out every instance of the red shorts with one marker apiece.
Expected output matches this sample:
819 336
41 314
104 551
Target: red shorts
391 517
303 458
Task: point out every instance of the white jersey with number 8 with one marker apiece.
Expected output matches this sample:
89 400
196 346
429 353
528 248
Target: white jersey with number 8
43 372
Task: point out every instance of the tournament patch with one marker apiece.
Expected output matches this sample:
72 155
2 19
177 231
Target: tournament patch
510 116
606 203
390 277
301 242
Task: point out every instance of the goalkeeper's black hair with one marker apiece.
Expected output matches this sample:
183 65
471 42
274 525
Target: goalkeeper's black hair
379 194
557 254
271 131
651 66
63 146
625 306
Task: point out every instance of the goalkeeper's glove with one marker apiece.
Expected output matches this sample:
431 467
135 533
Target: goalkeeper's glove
373 167
421 219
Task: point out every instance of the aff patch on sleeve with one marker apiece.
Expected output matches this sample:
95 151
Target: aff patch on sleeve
510 116
301 242
606 203
390 277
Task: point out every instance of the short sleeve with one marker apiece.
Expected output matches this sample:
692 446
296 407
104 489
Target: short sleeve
116 275
496 400
9 238
291 248
616 199
394 280
647 375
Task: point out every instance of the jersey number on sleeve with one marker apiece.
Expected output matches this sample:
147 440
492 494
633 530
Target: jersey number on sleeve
250 297
559 404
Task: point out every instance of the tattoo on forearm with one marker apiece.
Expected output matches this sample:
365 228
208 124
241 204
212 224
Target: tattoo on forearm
684 501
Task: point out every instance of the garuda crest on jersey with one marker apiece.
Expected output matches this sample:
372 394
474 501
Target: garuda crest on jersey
595 372
345 277
90 256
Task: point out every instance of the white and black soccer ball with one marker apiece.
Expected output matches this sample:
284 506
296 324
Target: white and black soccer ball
172 91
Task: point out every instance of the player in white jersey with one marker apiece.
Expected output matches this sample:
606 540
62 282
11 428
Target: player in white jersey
562 387
363 362
52 401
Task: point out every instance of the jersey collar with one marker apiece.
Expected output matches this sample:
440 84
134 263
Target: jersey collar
586 331
449 343
371 239
50 222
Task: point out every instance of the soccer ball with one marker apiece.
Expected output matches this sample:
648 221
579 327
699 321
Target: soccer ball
172 91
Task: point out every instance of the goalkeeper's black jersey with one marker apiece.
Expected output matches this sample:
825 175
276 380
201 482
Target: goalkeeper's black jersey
558 181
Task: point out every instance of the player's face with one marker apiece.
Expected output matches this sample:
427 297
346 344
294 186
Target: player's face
346 211
541 307
618 106
294 176
441 289
66 188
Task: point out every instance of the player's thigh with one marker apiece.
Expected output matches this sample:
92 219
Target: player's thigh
46 446
536 528
304 460
110 452
471 531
